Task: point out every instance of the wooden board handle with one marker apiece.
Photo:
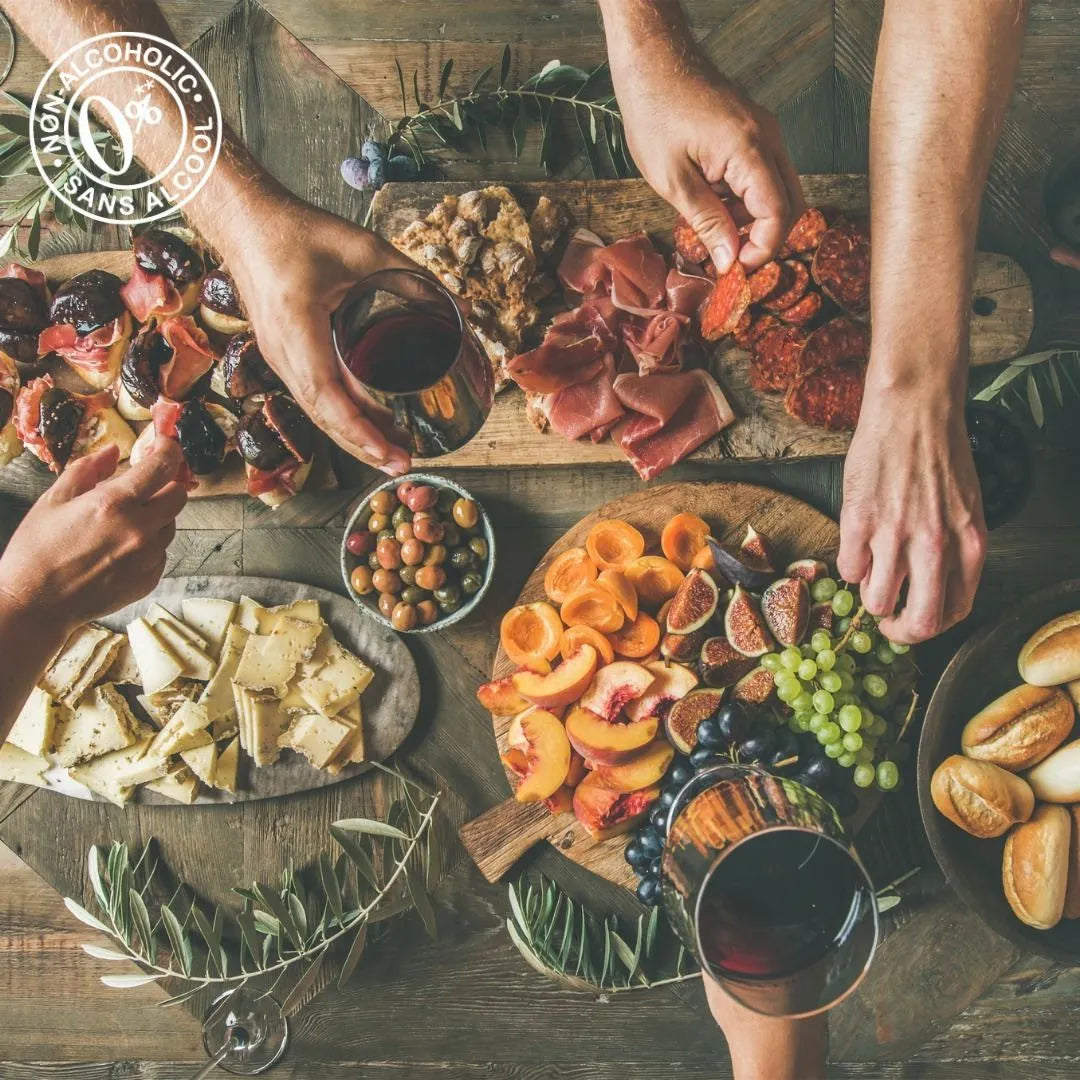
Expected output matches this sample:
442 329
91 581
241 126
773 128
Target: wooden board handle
502 835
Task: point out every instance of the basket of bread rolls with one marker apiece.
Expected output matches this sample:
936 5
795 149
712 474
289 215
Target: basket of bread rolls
999 773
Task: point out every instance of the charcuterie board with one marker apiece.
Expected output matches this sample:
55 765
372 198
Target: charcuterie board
1001 323
500 837
26 472
390 703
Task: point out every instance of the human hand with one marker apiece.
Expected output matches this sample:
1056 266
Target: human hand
912 512
94 542
293 265
693 135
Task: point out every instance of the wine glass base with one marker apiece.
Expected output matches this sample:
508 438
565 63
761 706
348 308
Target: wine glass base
256 1024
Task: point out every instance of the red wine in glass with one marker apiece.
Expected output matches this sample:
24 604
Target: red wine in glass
403 343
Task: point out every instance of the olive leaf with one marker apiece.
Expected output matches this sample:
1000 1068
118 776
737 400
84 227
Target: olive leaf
1044 387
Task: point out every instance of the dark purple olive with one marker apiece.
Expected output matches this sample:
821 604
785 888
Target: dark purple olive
88 301
219 293
21 306
60 415
143 360
292 425
201 439
7 407
162 252
245 370
20 345
259 444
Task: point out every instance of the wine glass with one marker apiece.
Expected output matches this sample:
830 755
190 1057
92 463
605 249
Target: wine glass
244 1033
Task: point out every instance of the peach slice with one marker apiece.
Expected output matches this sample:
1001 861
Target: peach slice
500 698
670 683
645 769
539 754
604 743
564 684
618 584
614 686
562 802
577 770
606 813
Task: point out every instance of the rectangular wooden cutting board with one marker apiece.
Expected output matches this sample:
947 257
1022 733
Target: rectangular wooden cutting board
1001 323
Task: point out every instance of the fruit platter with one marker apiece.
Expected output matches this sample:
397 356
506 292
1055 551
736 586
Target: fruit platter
672 630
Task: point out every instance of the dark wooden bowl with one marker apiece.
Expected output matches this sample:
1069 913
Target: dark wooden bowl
982 670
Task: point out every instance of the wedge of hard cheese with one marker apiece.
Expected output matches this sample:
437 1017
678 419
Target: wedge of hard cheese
202 761
197 663
22 768
352 750
158 664
178 783
185 730
115 774
157 615
209 617
269 661
317 737
227 764
83 661
34 726
217 698
335 683
100 723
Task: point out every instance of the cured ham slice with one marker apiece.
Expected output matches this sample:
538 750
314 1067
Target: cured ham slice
192 356
687 287
675 415
586 408
581 269
638 275
34 278
655 347
89 354
27 419
146 294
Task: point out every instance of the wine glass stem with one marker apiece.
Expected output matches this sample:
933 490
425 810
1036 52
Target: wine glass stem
217 1059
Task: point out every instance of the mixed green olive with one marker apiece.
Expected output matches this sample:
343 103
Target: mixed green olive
421 549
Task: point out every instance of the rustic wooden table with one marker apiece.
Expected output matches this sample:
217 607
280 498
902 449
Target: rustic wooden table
302 82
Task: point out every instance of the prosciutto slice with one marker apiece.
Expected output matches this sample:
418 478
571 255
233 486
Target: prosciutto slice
86 353
675 414
586 408
655 347
638 275
686 287
192 356
147 294
164 417
581 269
27 419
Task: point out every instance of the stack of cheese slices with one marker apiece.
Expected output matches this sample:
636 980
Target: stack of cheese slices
224 680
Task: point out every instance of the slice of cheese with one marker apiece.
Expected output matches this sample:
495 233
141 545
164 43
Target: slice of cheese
114 793
22 768
100 723
34 726
178 784
161 706
302 610
248 613
268 723
72 659
202 761
197 664
268 663
124 670
227 763
121 768
95 671
303 635
157 614
243 697
224 729
317 737
158 664
352 750
185 730
217 698
209 617
337 683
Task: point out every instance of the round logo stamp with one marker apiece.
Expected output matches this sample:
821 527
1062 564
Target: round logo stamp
131 81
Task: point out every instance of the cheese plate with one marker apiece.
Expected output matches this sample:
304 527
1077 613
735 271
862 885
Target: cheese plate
390 702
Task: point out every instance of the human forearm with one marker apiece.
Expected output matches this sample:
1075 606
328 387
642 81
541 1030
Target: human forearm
28 641
944 72
630 25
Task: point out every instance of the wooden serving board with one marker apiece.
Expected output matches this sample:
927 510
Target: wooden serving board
229 480
390 704
502 835
1001 323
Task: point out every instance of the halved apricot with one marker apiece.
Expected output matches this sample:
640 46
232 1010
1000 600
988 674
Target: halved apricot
573 636
531 632
617 583
595 607
568 572
705 559
683 537
638 638
655 579
565 684
613 544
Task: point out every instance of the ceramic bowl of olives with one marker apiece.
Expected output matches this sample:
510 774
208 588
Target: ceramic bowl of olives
418 553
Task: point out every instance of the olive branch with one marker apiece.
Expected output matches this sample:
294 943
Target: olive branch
1029 383
385 868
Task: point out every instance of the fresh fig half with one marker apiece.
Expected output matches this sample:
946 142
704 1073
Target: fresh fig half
755 549
721 665
745 627
810 570
682 721
754 688
739 567
822 616
785 605
694 604
683 648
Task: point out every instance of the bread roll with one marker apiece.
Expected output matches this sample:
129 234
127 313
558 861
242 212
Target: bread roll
1051 656
981 798
1020 728
1035 867
1056 779
1072 890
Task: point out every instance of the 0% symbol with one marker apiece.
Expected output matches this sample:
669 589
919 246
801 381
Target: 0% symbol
142 112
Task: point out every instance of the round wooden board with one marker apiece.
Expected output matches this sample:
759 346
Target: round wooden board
795 530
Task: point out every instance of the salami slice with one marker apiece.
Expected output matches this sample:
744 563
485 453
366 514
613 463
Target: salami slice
803 311
839 341
829 398
743 327
806 234
726 304
688 244
764 282
841 266
759 326
775 360
794 283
